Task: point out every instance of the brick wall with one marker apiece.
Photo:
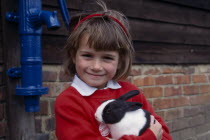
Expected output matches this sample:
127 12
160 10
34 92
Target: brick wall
179 94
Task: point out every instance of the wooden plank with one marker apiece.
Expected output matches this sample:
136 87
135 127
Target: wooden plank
163 53
52 52
203 4
146 52
147 9
145 30
1 56
159 12
1 50
2 82
169 33
151 21
164 12
21 124
1 47
85 5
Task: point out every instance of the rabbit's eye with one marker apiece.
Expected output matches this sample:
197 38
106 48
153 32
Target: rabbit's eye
108 110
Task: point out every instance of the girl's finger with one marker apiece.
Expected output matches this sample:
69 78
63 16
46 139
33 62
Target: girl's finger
152 120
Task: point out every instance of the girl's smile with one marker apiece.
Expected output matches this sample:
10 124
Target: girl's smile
95 68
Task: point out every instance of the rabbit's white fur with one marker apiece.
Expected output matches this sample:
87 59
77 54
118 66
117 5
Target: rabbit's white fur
99 111
130 124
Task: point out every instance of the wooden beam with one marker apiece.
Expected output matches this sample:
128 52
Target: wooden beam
202 4
168 53
21 125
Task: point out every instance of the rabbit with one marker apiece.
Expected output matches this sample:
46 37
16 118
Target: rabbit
123 118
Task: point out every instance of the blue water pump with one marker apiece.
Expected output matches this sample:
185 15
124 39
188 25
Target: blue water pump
30 17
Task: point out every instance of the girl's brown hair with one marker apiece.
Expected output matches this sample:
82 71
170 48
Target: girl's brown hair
105 34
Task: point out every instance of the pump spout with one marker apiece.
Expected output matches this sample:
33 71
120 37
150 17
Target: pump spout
50 19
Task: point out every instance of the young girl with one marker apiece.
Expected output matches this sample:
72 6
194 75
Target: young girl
99 56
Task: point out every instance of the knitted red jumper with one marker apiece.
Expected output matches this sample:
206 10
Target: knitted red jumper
75 119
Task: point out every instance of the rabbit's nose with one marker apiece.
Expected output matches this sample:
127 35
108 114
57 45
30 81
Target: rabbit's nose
96 117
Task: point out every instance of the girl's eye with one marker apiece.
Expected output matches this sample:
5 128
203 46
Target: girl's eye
108 58
87 55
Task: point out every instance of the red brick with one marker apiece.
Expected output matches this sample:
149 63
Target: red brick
161 114
182 79
163 80
170 102
197 120
55 88
138 81
148 81
200 99
189 70
49 76
52 104
38 125
50 124
44 108
180 124
181 101
178 70
152 71
172 91
190 89
192 111
168 70
205 88
163 103
174 114
135 71
153 92
64 78
49 85
199 78
144 81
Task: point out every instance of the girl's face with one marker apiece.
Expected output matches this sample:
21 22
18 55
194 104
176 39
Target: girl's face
95 68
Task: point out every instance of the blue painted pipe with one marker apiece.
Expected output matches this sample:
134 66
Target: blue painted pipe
64 12
30 18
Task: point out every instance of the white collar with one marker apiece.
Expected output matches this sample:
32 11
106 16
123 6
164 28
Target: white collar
86 90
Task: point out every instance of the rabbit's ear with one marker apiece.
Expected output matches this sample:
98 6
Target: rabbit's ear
128 95
132 106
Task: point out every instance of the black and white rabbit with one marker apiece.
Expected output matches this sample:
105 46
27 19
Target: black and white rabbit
123 118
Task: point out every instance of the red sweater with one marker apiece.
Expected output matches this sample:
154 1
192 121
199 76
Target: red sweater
75 119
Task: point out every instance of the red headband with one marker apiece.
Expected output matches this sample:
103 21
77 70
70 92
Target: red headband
98 15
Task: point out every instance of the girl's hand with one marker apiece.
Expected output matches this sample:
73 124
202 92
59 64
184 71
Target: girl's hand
156 128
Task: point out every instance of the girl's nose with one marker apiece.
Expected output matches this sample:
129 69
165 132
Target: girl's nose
96 66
